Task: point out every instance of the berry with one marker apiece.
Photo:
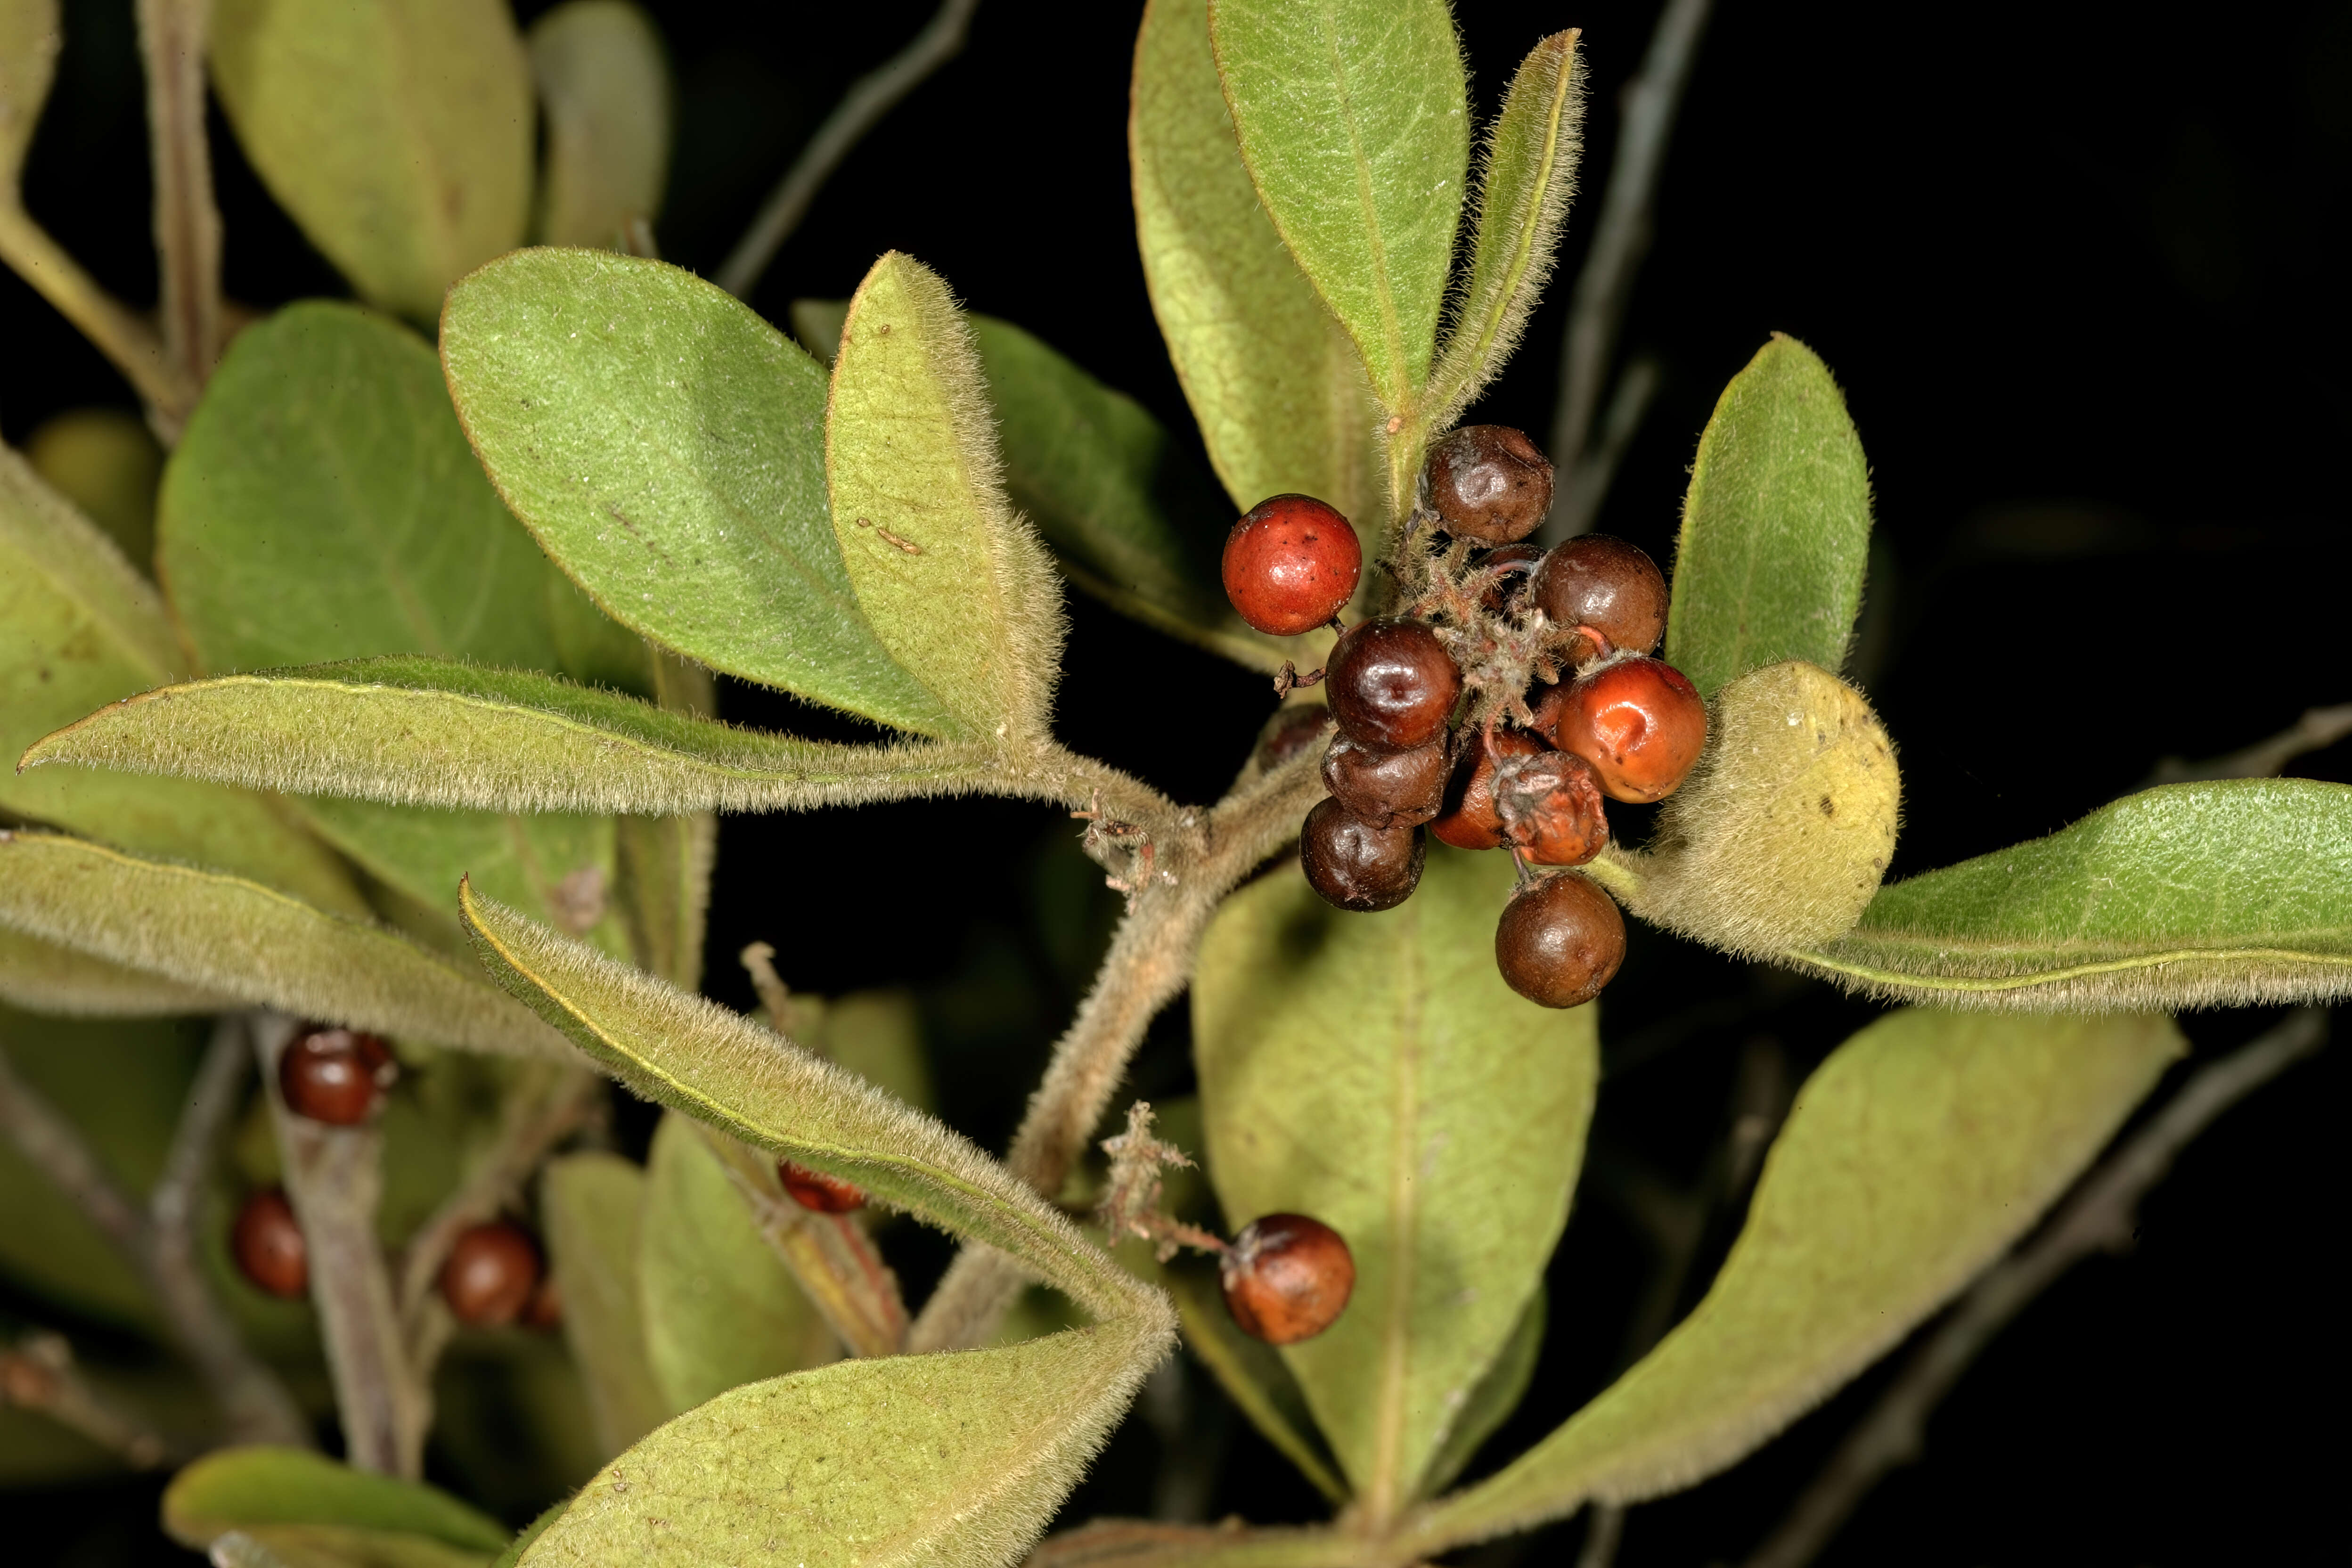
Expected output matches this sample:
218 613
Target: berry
1640 723
1358 867
1392 683
815 1190
1605 583
1470 819
1287 1278
545 1309
269 1247
1550 807
1517 564
335 1075
1294 727
1488 483
1560 941
1291 563
491 1275
1386 789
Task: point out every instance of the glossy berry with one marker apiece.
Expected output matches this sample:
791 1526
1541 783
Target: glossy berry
1515 564
335 1075
267 1245
1488 483
1386 789
1356 867
1550 808
1560 941
1640 723
816 1191
1470 819
1287 1278
1291 563
1604 583
491 1275
1392 683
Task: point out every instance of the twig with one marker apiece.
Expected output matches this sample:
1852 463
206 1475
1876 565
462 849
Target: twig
2098 1218
1604 1527
2318 729
869 98
51 1145
188 222
112 328
37 1374
1619 240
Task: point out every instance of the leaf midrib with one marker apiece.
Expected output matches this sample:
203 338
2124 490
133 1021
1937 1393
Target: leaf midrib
1384 294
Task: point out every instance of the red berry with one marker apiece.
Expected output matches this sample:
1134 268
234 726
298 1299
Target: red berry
1604 583
1640 723
1392 683
1550 807
545 1309
1386 789
815 1190
1560 941
491 1274
1488 483
335 1075
1470 819
1287 1278
1291 564
1358 866
268 1244
1517 564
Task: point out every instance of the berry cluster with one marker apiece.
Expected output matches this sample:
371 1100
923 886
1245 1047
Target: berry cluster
1453 716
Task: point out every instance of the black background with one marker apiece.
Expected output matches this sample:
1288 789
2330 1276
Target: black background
2071 265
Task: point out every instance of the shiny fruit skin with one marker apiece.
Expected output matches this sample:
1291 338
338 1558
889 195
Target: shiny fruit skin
1560 941
1358 868
1290 565
491 1275
1392 684
1639 722
1599 581
1488 483
1386 789
266 1242
1470 818
1551 808
1287 1278
335 1075
815 1191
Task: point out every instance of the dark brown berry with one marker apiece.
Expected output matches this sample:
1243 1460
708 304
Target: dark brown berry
1560 941
268 1244
1488 483
491 1274
1383 788
1515 565
816 1191
1294 727
1604 583
1392 684
1287 1278
335 1075
1470 819
1291 564
1358 866
1550 808
1640 723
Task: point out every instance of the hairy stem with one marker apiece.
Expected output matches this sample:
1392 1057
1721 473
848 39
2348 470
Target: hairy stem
112 328
188 222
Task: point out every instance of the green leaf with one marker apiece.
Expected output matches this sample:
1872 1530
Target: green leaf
721 1310
878 1036
1526 175
1273 381
29 41
592 1206
239 1488
666 446
1251 1372
1776 525
1375 1072
2195 895
604 88
337 1546
43 977
239 940
397 135
1496 1397
1353 119
1917 1155
665 892
956 586
107 463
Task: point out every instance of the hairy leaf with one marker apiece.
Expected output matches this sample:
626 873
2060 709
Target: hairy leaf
1251 1372
1776 525
239 1488
878 1036
1374 1071
1274 383
957 586
1914 1157
592 1207
1353 119
2214 894
239 940
44 978
604 88
396 133
666 446
1497 1395
29 41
